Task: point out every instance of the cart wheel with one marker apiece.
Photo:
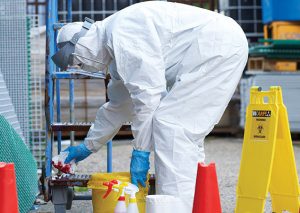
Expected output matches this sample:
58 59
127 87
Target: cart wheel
70 196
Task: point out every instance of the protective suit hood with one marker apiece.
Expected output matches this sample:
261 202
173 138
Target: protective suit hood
90 50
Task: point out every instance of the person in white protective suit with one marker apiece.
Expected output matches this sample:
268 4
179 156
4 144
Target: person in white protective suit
173 70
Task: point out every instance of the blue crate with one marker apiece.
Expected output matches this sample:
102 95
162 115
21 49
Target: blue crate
280 10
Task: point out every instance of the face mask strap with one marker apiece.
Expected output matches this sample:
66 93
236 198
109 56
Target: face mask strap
64 56
85 28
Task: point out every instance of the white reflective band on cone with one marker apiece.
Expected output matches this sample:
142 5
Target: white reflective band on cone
163 203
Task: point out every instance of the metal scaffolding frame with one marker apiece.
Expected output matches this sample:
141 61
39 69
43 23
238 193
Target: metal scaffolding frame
52 94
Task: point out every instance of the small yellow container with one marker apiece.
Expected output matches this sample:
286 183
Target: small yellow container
282 30
289 66
108 204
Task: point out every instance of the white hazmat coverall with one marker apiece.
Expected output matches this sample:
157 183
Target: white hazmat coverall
174 69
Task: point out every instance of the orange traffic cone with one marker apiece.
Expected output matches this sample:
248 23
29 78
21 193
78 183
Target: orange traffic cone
8 192
207 198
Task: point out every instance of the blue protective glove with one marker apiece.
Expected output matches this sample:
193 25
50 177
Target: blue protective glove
78 153
139 167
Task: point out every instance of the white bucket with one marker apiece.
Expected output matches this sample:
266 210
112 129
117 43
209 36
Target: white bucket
163 204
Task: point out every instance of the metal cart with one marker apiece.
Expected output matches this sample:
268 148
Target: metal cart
60 189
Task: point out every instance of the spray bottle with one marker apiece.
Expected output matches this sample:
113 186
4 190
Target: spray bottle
119 187
132 189
109 185
121 204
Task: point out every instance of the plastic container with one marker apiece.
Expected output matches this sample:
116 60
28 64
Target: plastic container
280 10
164 204
132 206
108 204
282 30
121 205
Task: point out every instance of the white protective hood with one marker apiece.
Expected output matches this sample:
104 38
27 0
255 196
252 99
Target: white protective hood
89 50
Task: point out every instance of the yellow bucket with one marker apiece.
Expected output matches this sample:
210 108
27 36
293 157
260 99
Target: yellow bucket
108 204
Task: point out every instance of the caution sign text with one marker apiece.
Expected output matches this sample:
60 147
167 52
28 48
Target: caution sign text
261 113
260 125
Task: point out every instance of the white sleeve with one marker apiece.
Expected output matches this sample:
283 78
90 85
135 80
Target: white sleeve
110 116
140 65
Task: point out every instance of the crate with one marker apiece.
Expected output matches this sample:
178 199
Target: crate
255 63
290 66
264 64
282 30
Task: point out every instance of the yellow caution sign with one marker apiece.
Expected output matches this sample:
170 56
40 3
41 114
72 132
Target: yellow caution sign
268 161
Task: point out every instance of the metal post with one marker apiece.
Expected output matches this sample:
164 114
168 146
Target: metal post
58 114
80 9
109 143
92 10
50 67
109 156
103 9
71 81
72 106
69 11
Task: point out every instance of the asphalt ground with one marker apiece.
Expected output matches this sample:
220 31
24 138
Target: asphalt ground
224 151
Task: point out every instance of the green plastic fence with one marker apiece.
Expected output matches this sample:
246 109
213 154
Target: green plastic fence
13 149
